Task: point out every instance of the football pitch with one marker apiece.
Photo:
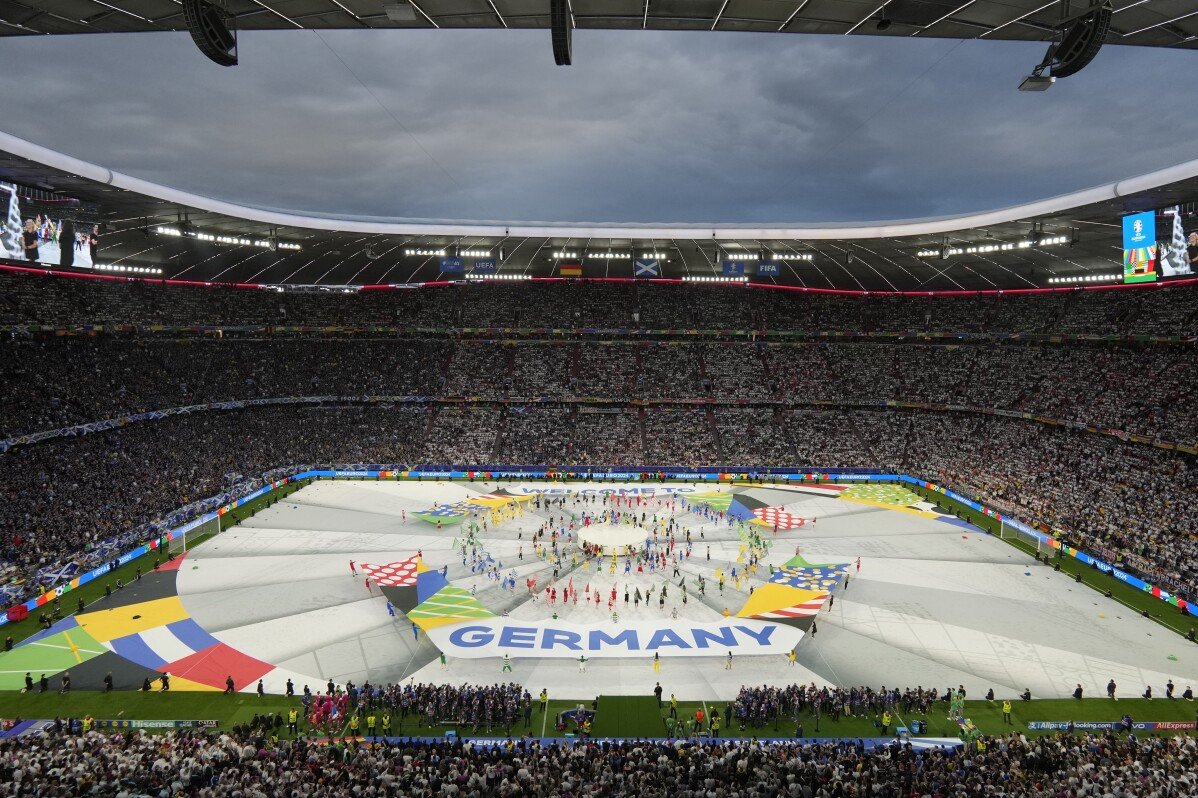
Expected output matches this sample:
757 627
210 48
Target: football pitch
481 571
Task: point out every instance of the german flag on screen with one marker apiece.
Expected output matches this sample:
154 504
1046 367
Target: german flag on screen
571 270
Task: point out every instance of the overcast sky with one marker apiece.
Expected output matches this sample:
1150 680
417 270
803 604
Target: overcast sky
645 127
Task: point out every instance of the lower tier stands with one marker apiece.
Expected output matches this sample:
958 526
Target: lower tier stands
69 498
248 763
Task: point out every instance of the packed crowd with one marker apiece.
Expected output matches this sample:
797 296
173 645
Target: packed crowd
57 382
78 500
179 763
73 499
51 301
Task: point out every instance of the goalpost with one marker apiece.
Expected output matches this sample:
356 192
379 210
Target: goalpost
1008 532
180 543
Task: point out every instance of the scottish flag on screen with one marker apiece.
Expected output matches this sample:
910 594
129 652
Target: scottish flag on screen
647 268
734 268
485 267
451 265
768 269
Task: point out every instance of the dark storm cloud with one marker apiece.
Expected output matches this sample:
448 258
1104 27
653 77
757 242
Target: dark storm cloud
645 127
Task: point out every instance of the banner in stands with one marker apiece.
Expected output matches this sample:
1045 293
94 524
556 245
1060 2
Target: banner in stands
1105 725
156 724
646 267
451 265
769 269
563 640
733 268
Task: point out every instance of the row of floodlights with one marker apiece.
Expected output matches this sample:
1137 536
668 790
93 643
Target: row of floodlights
1086 278
112 267
567 254
982 249
265 243
441 253
473 276
698 279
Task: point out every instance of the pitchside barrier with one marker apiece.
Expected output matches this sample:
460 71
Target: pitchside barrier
647 474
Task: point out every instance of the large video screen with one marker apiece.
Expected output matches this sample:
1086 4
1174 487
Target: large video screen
1158 244
1139 247
1177 251
47 230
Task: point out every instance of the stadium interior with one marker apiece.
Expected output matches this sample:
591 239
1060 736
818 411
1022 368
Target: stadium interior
299 504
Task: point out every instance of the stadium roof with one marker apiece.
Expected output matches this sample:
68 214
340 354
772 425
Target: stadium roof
1075 236
1159 23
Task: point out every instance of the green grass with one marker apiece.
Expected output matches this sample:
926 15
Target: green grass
628 716
68 603
226 709
1136 600
618 716
985 715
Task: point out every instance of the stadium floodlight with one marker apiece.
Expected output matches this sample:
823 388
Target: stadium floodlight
213 29
1036 82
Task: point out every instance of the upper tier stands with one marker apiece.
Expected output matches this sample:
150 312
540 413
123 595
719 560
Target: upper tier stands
60 301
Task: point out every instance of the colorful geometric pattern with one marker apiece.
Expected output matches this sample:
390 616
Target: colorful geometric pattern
50 654
795 591
771 599
428 583
211 666
802 610
445 513
714 500
105 625
497 499
449 605
155 647
771 516
393 574
809 578
882 494
743 507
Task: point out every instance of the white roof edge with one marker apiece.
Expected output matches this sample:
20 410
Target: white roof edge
720 232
